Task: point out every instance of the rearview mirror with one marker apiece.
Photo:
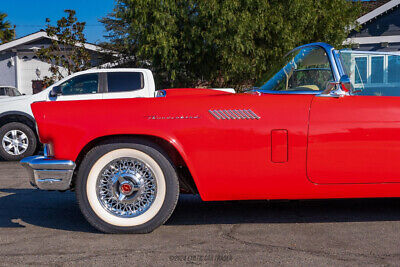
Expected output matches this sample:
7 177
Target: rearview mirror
342 87
345 83
338 89
55 91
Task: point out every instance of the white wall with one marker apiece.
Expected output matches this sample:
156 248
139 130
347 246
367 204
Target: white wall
27 65
7 69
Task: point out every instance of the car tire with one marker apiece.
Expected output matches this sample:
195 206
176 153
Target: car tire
109 169
17 141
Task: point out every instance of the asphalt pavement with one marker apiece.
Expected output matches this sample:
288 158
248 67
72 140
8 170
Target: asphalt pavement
47 228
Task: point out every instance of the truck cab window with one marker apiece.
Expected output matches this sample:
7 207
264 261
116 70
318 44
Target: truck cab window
124 81
82 84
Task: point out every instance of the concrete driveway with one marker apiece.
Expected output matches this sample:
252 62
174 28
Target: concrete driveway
40 228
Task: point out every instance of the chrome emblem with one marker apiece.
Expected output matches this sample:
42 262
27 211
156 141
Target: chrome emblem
173 117
234 114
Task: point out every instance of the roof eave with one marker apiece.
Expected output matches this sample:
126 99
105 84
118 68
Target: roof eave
41 34
378 11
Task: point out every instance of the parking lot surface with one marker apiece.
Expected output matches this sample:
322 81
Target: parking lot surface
47 228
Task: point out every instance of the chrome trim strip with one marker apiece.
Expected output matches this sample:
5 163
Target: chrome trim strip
338 62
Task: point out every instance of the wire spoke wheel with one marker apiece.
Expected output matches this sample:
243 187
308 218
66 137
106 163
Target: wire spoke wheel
126 187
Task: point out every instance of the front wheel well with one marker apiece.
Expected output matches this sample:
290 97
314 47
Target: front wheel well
186 181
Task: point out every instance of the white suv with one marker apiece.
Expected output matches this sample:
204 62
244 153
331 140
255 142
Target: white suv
18 138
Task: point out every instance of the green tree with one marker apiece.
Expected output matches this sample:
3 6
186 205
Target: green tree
224 43
7 32
67 49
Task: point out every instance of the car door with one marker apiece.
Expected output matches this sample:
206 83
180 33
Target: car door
81 87
356 138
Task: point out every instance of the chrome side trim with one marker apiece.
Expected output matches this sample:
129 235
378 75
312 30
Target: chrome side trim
49 174
234 114
179 117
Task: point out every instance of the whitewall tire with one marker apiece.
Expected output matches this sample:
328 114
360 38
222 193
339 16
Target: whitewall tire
127 187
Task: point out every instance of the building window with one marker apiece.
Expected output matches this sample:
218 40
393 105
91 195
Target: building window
377 69
393 69
361 70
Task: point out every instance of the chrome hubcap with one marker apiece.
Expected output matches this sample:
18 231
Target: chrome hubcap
126 187
15 142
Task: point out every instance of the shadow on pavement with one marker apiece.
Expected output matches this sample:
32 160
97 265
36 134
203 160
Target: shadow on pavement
41 208
192 211
57 210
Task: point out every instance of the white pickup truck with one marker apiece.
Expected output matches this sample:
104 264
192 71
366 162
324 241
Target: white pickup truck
18 138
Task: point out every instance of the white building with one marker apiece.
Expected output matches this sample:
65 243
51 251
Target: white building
19 67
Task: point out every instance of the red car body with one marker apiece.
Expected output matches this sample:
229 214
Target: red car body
291 146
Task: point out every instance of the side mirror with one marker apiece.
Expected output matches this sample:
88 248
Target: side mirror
345 83
55 91
341 88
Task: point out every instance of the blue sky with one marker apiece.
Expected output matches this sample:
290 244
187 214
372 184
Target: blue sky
29 15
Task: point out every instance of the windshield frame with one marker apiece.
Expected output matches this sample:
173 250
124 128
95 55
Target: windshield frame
334 61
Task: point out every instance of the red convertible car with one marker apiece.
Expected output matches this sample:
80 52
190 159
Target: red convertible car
323 124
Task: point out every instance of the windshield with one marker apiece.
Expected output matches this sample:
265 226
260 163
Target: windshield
16 92
372 73
303 70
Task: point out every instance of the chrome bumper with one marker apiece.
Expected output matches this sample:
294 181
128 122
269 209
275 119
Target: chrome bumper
49 174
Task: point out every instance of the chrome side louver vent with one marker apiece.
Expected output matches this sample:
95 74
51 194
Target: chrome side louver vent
234 114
